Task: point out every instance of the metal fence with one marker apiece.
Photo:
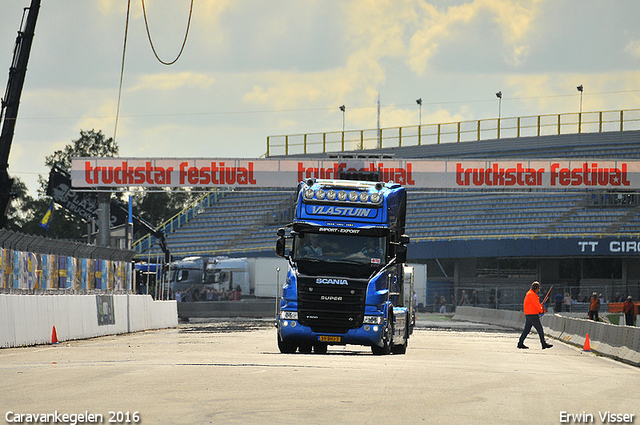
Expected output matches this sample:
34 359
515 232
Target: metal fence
508 294
462 131
35 265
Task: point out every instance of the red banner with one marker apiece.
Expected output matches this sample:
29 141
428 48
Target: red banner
488 174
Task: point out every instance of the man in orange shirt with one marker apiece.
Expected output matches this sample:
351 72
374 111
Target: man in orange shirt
532 311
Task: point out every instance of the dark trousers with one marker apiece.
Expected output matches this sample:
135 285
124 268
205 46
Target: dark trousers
533 320
629 318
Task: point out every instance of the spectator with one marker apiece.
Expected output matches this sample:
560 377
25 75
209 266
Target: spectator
629 310
474 298
464 300
558 298
443 305
567 302
594 307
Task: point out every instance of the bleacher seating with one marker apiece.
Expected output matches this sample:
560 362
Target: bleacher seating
242 221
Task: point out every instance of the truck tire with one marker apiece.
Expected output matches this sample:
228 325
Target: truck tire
286 347
386 347
400 348
381 351
305 348
320 349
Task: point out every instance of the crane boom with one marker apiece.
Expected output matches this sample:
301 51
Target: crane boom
11 101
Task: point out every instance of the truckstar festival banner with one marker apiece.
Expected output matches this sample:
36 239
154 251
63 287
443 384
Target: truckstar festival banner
488 174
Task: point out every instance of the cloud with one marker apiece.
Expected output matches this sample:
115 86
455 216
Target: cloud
172 81
296 89
557 93
633 48
467 24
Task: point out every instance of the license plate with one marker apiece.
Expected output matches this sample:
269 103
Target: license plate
325 338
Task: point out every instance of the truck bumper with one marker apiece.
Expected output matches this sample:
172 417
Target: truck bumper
293 331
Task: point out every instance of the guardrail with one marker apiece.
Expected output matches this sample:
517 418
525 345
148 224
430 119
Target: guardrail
461 131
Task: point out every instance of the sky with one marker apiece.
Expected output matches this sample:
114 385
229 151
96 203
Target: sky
257 68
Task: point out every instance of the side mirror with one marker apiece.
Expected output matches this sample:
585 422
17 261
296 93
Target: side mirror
280 246
401 254
404 239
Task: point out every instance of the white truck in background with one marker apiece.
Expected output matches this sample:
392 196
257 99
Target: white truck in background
253 276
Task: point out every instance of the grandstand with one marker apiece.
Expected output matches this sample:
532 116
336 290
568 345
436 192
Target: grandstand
243 222
470 238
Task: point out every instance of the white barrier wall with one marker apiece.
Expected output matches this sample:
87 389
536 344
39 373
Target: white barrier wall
30 319
619 342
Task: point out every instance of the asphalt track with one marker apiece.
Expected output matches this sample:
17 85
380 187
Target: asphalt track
230 372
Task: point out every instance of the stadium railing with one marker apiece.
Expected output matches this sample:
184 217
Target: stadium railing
461 131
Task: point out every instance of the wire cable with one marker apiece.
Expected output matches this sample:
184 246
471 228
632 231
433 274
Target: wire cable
124 50
184 42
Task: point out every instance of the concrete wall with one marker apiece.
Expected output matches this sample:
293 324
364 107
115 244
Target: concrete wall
29 319
619 342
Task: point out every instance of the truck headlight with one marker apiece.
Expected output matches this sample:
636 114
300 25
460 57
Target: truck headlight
373 320
308 193
289 315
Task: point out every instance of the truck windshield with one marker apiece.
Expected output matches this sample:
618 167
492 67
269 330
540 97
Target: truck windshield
363 250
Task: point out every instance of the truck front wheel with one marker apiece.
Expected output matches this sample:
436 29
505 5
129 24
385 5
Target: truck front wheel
386 347
286 347
381 351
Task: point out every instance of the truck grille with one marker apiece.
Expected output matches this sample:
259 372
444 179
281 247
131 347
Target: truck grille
331 305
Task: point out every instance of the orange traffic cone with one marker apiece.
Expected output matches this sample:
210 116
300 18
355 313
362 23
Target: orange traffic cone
54 336
587 345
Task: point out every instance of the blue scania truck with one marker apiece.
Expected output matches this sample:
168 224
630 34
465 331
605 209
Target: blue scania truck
347 282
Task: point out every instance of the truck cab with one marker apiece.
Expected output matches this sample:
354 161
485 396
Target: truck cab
346 281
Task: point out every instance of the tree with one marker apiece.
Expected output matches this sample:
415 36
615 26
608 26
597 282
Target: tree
89 144
153 205
26 213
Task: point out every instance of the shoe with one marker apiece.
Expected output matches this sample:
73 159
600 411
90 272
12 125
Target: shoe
546 346
522 346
